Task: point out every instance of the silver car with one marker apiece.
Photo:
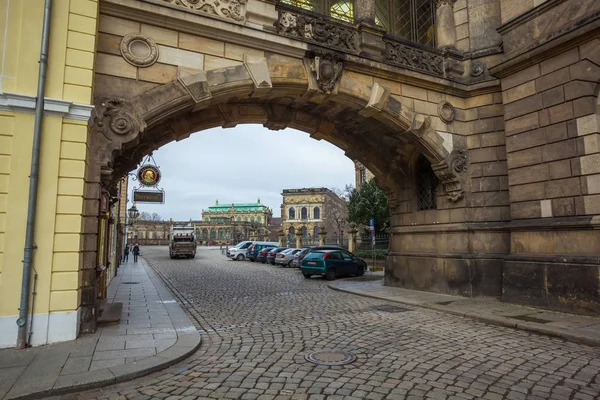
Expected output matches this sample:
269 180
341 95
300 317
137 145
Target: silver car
285 257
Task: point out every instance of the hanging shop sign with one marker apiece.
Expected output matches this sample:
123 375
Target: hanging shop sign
146 196
148 175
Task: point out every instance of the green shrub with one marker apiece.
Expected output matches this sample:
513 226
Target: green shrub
380 254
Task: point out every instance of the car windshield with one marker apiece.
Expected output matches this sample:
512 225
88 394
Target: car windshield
315 256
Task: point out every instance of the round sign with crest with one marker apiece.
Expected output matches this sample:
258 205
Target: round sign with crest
148 175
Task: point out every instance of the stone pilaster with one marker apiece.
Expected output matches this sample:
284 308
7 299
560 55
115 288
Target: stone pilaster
364 12
445 27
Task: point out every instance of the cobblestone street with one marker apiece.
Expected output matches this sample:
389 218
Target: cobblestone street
258 321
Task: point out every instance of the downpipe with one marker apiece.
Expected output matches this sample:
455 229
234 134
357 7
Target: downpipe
30 246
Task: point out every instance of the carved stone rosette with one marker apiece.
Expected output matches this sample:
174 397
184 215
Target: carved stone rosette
230 9
318 29
450 172
414 58
327 69
139 50
114 123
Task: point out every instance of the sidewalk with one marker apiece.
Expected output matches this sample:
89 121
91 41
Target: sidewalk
154 332
577 328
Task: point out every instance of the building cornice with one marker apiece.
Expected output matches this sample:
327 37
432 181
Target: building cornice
52 107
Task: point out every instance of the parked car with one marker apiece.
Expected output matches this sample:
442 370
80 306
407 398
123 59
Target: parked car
263 254
298 257
253 250
286 257
332 263
238 252
273 253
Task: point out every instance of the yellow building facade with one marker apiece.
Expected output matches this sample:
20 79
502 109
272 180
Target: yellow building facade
59 252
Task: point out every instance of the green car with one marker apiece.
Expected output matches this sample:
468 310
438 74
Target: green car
332 263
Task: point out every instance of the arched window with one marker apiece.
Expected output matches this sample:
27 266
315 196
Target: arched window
252 219
427 184
292 213
316 231
258 219
316 213
213 234
245 219
304 232
340 9
207 219
205 234
220 233
408 19
239 219
292 231
227 233
304 213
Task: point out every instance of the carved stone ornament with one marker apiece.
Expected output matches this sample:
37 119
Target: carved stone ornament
477 69
449 172
230 9
439 3
114 123
328 70
139 50
446 111
317 29
414 58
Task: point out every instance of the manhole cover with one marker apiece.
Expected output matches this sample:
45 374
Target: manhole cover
129 283
390 308
330 357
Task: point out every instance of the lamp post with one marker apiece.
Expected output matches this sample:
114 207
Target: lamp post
132 214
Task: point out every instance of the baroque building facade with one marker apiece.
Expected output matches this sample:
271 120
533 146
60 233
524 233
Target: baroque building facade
479 118
312 213
361 175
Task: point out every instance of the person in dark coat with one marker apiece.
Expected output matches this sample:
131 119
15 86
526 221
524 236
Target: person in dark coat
136 252
126 253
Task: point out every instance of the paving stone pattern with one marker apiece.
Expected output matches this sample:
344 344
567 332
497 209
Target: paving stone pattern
258 321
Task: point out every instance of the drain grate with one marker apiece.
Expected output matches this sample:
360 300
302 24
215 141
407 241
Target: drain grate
390 308
529 318
129 283
330 357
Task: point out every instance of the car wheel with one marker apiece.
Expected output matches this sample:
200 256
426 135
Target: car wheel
194 255
307 276
361 271
251 260
289 264
239 257
330 274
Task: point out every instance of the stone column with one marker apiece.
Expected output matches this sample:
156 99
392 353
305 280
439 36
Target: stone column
445 26
298 241
281 236
364 12
322 235
352 240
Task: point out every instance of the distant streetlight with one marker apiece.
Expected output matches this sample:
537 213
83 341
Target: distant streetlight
133 213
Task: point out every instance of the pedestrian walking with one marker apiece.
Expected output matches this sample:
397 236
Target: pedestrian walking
126 253
136 252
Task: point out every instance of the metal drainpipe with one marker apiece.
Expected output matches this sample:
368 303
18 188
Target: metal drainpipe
33 182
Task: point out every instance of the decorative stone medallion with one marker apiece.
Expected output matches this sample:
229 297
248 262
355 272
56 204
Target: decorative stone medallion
139 50
446 111
327 69
477 69
330 357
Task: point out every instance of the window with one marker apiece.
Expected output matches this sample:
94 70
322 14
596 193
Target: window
408 19
316 231
213 234
339 9
292 213
239 219
220 233
304 213
316 213
363 176
292 231
245 219
258 219
304 232
207 219
427 184
227 233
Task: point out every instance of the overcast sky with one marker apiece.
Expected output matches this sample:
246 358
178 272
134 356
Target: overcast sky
241 164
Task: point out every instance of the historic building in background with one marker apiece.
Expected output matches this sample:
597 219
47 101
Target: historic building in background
479 118
361 175
238 212
307 212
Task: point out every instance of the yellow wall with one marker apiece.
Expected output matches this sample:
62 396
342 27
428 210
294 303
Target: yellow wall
58 233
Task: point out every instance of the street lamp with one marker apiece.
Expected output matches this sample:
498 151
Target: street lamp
133 213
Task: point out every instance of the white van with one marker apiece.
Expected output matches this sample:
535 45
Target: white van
238 252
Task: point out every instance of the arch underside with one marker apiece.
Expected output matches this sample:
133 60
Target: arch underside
365 121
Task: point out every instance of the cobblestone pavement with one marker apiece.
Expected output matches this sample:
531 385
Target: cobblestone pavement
258 321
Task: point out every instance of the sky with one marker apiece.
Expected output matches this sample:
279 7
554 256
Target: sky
240 165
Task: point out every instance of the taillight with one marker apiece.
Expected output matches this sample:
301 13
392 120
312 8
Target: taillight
282 256
326 256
